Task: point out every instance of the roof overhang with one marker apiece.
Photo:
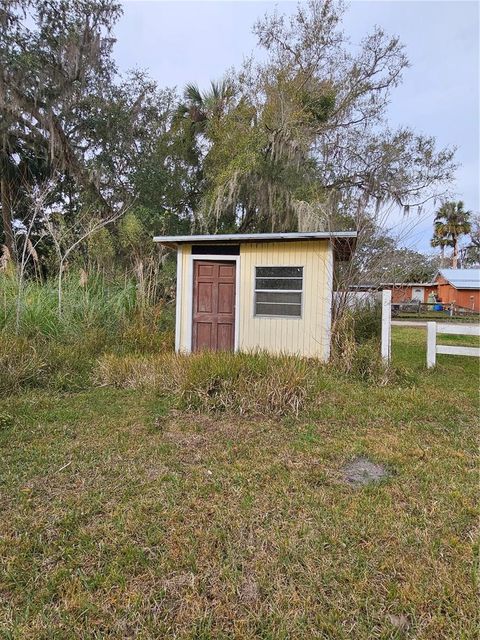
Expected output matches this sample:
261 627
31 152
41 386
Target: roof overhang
343 241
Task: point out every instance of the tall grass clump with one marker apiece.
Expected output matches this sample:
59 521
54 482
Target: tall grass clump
42 347
356 348
21 364
240 383
366 322
32 308
245 383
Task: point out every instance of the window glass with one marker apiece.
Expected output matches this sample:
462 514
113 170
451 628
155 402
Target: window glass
287 284
278 291
279 272
280 296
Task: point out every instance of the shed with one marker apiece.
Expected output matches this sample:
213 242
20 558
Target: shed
266 291
460 287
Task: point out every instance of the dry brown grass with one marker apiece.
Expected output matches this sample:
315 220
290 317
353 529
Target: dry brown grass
215 529
243 384
121 519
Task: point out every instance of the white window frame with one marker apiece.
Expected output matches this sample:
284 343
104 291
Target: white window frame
300 291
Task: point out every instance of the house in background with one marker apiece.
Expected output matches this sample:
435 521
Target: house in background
460 287
247 292
410 291
402 292
457 287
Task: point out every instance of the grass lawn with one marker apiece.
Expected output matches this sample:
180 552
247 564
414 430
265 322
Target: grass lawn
122 519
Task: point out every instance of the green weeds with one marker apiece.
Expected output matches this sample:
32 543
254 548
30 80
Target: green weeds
44 349
122 516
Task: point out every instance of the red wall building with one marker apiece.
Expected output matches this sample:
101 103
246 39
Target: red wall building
459 286
452 286
408 291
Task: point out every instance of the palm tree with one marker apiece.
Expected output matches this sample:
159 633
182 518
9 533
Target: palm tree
450 224
197 110
199 107
440 240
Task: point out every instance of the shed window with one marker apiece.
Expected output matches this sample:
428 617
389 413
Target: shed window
278 291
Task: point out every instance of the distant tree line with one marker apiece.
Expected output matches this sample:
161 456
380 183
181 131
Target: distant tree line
94 163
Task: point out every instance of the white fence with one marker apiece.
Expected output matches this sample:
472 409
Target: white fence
386 348
453 329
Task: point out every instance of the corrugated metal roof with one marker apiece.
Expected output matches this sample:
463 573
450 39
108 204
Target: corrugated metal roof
255 237
462 278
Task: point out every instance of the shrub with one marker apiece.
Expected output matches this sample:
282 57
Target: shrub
367 322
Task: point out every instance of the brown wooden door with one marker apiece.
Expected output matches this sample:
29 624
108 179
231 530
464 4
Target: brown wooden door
213 306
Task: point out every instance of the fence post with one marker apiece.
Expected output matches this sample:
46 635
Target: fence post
431 344
386 324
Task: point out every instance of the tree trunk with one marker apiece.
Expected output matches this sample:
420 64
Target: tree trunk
7 217
248 219
455 253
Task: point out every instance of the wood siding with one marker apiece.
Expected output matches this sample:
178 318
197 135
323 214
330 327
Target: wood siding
308 335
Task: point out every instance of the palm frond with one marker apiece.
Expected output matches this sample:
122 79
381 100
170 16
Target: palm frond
193 94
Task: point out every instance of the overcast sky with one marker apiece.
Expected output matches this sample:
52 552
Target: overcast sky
196 41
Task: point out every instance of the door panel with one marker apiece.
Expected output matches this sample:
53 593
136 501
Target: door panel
205 297
213 322
205 270
226 298
224 337
226 270
204 336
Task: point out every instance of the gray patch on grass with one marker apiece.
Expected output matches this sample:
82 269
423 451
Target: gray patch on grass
248 591
362 471
400 622
178 581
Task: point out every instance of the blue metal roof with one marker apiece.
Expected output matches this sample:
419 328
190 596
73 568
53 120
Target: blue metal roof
462 278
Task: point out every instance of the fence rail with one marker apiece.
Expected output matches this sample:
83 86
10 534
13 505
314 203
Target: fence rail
448 309
433 328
